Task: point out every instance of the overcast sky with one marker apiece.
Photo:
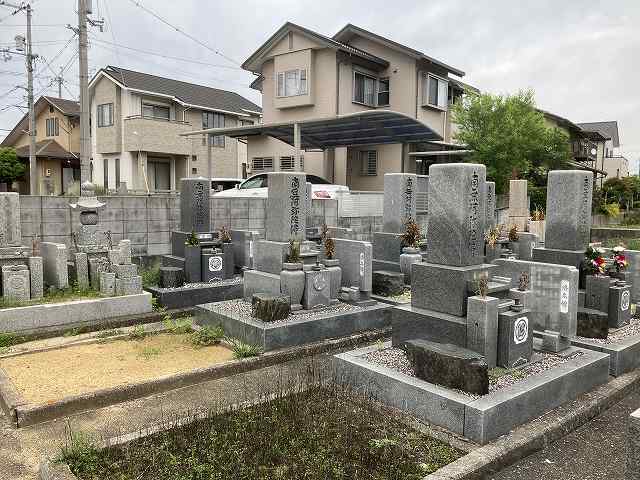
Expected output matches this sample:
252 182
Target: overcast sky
582 57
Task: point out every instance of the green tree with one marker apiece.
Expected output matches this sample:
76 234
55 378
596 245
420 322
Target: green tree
509 136
11 168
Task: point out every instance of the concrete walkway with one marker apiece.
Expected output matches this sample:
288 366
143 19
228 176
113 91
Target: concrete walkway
594 451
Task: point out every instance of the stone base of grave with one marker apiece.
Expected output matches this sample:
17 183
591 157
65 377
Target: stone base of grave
624 356
445 288
198 294
269 256
387 246
260 282
410 322
298 329
479 419
572 258
385 265
592 323
388 283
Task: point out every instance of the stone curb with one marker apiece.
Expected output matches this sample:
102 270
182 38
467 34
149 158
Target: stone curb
539 433
25 415
55 471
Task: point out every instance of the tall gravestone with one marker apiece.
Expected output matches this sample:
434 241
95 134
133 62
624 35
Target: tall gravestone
490 221
400 191
286 207
10 232
568 217
518 204
194 205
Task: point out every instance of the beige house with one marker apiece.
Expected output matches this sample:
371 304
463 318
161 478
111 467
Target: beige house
305 75
610 159
136 121
57 145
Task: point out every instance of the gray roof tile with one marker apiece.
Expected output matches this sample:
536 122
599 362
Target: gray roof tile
608 129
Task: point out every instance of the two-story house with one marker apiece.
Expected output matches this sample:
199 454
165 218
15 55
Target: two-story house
612 160
306 75
136 119
57 145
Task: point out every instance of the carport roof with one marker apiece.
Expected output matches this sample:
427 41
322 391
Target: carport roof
371 127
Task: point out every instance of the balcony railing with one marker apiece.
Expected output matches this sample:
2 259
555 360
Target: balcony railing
159 119
584 150
159 135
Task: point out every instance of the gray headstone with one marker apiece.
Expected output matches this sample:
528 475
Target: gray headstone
16 283
482 327
568 217
518 201
400 191
388 283
619 305
316 289
171 277
129 285
286 207
597 292
526 243
114 256
54 257
515 338
107 283
213 267
490 221
37 279
96 267
125 251
10 233
355 260
457 213
82 269
268 256
125 271
194 205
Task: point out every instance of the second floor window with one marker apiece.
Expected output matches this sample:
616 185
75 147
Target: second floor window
53 127
155 111
383 92
364 89
292 83
435 92
214 120
105 115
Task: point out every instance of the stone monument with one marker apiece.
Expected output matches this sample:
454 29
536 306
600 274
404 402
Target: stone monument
518 204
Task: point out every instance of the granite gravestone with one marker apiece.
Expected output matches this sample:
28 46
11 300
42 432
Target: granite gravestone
54 257
286 207
355 260
10 231
568 217
16 283
518 204
490 221
36 274
457 213
482 327
194 205
400 191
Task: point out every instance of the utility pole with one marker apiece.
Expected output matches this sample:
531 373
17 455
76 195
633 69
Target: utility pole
30 57
84 8
33 167
59 80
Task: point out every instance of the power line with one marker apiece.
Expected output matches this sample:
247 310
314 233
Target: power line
179 30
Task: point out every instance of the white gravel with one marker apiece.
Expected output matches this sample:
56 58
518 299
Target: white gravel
242 309
618 335
396 359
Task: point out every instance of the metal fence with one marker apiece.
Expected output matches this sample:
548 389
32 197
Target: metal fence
360 204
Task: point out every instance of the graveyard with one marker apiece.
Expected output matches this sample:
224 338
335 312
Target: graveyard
472 324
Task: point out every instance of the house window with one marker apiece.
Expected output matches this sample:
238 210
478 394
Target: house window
194 171
368 163
435 92
53 127
194 158
155 111
105 173
117 173
364 89
214 120
287 163
292 83
261 164
105 115
383 92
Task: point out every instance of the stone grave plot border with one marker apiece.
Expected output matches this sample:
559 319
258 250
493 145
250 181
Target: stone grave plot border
299 329
624 356
480 420
390 300
55 316
22 414
190 296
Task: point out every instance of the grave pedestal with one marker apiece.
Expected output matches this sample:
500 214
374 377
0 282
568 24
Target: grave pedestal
482 327
619 305
515 338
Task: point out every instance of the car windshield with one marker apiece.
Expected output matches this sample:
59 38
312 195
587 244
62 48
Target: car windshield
315 180
256 182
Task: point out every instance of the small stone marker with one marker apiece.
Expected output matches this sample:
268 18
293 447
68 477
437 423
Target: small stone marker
129 285
82 269
107 283
457 214
96 266
515 338
619 304
171 277
286 207
482 327
16 283
194 205
400 191
388 283
125 251
125 271
597 292
317 289
54 257
270 308
592 323
10 230
355 260
568 216
36 277
448 365
114 256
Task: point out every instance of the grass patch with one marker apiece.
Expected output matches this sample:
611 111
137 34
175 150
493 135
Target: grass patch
108 333
178 326
244 350
137 333
151 275
207 336
318 434
8 339
57 296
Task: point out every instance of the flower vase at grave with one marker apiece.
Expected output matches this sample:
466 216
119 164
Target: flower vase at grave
408 257
335 277
292 283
